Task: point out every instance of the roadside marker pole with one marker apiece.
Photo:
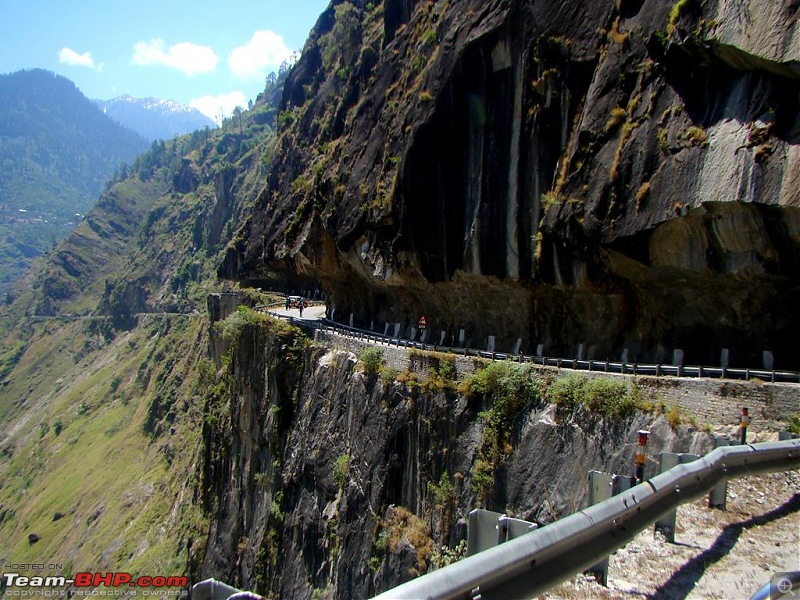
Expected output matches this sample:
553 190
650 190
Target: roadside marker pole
641 455
745 421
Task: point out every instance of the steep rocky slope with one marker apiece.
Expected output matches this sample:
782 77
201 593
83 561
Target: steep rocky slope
619 175
324 477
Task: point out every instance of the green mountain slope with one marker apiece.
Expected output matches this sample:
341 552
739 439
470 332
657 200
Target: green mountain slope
57 149
103 364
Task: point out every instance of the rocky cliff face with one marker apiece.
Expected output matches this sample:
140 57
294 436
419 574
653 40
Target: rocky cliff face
622 175
322 476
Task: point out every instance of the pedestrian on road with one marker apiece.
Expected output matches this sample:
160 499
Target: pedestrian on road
301 309
287 303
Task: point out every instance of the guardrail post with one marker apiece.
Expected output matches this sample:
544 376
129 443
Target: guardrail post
509 528
481 530
486 529
677 360
600 489
718 496
666 524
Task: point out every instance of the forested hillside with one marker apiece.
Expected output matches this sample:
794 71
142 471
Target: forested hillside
104 364
57 149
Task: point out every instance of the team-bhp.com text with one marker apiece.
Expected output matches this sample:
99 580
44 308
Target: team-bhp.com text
112 579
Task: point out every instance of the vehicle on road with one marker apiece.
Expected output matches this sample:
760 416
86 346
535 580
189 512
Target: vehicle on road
297 302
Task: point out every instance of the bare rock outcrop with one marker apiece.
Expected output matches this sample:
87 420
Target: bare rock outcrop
324 479
622 176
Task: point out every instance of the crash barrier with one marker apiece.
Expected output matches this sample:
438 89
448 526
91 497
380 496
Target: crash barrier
606 366
780 585
533 563
623 368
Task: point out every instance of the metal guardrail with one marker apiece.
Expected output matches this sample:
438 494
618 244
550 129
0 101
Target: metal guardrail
784 585
576 364
211 589
622 368
531 564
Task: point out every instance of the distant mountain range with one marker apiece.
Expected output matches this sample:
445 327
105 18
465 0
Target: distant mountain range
155 119
57 150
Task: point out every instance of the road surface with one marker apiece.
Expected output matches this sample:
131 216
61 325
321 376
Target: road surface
312 313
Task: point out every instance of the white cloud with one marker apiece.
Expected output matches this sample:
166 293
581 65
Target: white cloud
212 106
265 50
68 56
188 58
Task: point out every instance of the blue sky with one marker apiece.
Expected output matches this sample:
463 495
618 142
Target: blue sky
211 55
